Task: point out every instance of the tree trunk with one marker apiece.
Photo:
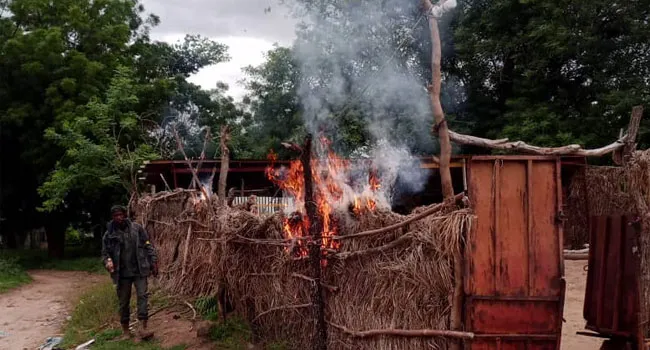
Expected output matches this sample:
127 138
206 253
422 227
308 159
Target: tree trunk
9 233
55 231
225 163
315 256
440 127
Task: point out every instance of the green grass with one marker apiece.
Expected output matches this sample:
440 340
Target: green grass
278 346
207 307
77 259
12 275
234 334
95 316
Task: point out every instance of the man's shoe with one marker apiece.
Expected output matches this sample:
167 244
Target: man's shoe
143 332
126 332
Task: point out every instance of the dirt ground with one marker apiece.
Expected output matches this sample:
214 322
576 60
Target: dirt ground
36 311
576 279
173 326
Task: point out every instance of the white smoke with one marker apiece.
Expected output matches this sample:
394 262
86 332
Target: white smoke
390 90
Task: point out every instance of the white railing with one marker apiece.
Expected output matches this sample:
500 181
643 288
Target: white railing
270 205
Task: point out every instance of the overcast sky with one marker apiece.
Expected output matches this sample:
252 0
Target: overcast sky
245 26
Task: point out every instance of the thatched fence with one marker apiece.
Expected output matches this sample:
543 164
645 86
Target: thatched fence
611 191
384 289
595 191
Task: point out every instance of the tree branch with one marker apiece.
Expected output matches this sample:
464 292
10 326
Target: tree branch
284 307
374 250
225 163
404 332
504 144
436 208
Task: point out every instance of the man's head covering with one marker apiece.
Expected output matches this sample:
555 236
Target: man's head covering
117 208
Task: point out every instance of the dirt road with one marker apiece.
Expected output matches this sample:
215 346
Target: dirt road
36 311
576 279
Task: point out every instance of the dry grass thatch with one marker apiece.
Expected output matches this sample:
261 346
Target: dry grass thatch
399 279
595 191
607 191
576 227
624 191
638 180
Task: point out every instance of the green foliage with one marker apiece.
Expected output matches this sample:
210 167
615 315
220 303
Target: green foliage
12 275
208 307
274 103
56 58
103 144
83 97
77 259
72 236
552 72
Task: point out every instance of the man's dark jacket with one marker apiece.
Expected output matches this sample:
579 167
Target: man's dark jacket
145 252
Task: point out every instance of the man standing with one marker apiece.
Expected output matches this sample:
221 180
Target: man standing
130 258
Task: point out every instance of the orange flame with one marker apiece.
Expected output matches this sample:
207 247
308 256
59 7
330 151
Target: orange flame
328 175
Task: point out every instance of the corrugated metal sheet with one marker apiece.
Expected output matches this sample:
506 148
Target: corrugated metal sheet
514 285
611 298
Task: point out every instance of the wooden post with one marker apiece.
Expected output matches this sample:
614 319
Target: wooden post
242 188
440 128
225 162
175 176
632 132
315 256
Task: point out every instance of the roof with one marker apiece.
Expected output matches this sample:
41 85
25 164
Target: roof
150 171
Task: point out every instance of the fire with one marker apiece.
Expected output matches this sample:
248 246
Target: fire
331 189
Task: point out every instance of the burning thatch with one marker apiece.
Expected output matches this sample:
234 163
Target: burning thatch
399 278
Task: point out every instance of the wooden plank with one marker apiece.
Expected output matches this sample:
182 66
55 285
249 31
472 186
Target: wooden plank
514 278
628 316
589 309
530 262
599 268
518 317
481 266
546 272
617 235
511 241
611 266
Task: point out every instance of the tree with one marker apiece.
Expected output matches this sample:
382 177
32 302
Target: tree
61 65
54 57
552 72
273 102
103 147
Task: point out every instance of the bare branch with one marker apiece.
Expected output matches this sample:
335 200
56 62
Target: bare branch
504 144
436 208
404 332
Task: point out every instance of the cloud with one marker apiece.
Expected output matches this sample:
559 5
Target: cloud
225 18
246 26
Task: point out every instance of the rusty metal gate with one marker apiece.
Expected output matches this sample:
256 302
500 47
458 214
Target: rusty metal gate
612 296
514 285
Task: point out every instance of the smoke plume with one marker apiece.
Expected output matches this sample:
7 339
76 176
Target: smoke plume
365 60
